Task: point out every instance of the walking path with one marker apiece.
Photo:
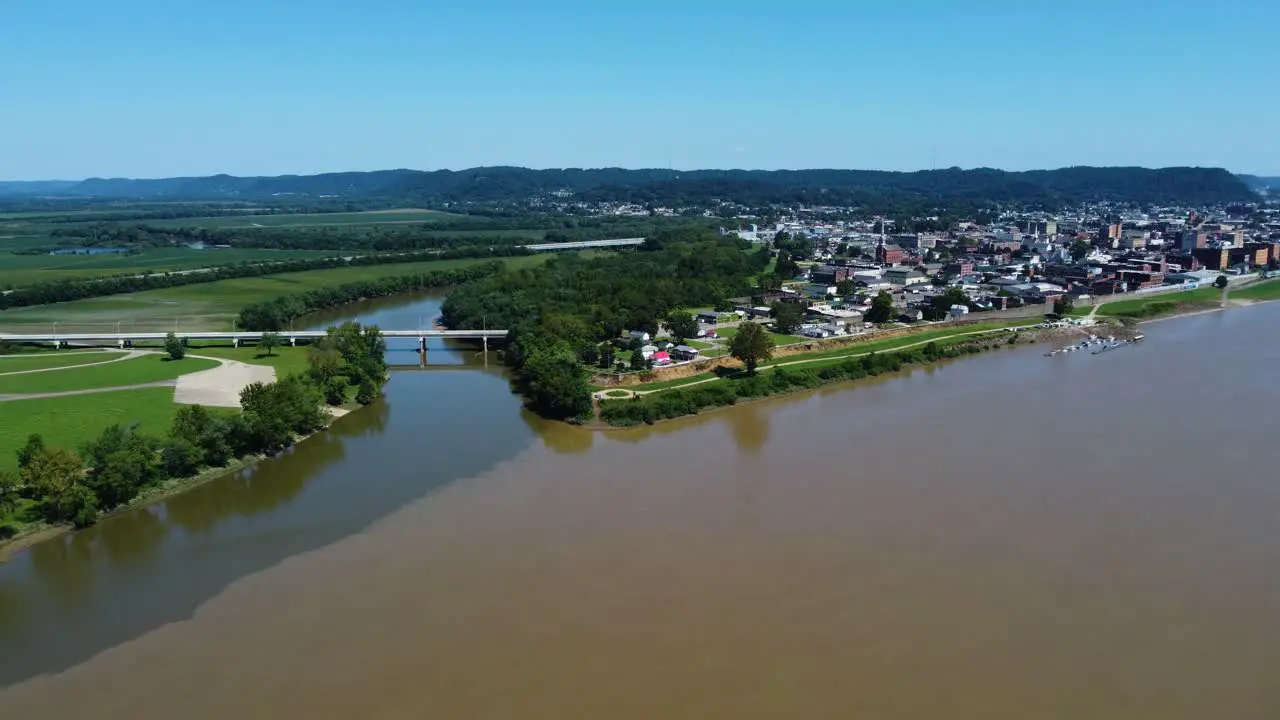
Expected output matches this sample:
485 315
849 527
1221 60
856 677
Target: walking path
215 387
127 356
220 386
89 391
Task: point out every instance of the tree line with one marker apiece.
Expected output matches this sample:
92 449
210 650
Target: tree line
559 314
59 485
449 231
276 314
82 288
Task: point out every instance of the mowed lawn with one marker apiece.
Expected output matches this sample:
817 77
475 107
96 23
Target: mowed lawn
49 360
211 306
70 421
778 339
1265 290
1138 306
152 368
286 360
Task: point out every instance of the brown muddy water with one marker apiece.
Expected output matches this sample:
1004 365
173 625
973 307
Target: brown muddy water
1004 536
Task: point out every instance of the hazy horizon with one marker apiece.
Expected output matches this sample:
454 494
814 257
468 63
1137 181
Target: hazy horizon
143 89
605 167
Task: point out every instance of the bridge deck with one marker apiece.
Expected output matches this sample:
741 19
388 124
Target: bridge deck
240 335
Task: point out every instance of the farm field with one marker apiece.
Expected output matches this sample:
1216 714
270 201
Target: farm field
151 368
20 270
208 306
370 217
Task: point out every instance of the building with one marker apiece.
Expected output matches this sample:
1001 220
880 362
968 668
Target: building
685 352
1133 239
1109 235
905 276
640 335
889 254
830 274
959 268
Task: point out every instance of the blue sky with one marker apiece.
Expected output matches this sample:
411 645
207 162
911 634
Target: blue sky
145 88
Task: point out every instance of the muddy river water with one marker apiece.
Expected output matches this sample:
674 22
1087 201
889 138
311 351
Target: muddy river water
1004 536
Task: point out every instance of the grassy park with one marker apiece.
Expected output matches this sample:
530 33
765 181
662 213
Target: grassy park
71 420
136 371
23 362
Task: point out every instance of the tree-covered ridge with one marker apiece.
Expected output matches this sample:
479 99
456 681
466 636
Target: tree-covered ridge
818 186
558 313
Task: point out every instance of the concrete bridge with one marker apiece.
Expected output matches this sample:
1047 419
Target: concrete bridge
62 339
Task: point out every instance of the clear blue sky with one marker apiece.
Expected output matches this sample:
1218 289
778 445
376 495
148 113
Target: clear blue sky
150 88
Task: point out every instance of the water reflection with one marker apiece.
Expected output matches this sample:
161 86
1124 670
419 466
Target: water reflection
63 600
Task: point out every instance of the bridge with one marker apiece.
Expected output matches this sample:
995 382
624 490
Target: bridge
60 339
585 244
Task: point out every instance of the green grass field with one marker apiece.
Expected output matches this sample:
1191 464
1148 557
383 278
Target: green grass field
209 306
49 360
1264 290
286 360
70 421
1141 306
729 333
152 368
21 270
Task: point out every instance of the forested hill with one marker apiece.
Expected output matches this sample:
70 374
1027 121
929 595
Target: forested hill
821 187
1261 183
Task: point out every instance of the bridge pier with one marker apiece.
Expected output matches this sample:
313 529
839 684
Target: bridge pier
422 344
293 341
235 342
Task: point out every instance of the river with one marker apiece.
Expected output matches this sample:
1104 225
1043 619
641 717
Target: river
1003 536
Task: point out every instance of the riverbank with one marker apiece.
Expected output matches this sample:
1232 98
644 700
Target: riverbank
36 532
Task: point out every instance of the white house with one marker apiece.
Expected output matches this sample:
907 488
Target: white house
640 335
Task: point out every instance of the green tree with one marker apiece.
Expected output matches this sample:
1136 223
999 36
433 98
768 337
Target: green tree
180 458
786 268
881 310
175 347
1079 249
30 450
682 325
53 474
1064 305
8 491
787 316
269 342
1221 282
940 305
121 463
845 288
637 360
556 385
752 345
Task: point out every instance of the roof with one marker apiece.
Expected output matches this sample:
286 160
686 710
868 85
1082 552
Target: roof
686 349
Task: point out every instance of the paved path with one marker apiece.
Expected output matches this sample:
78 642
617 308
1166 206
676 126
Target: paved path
90 391
127 356
215 387
220 386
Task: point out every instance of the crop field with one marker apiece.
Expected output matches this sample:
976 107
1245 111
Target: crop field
207 306
371 217
20 270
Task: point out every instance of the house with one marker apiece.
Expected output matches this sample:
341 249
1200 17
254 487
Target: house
648 351
640 335
814 331
662 358
959 311
685 352
910 315
708 318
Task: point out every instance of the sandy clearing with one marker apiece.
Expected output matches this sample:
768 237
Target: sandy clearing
220 386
